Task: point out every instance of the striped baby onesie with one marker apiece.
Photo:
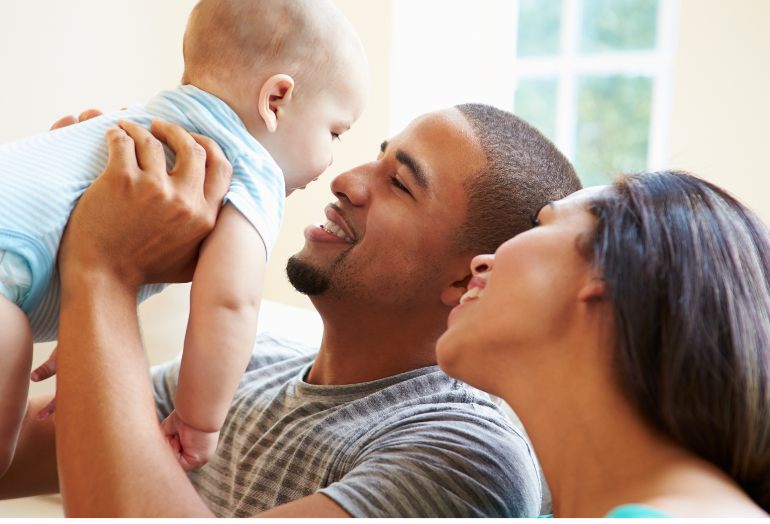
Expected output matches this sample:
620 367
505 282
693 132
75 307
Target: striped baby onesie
42 177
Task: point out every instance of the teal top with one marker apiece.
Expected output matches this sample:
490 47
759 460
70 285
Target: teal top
636 511
632 511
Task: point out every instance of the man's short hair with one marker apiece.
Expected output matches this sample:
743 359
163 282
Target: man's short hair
524 171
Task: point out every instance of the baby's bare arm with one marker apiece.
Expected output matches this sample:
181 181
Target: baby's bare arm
224 305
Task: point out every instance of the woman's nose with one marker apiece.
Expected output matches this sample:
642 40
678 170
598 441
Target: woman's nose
353 185
482 264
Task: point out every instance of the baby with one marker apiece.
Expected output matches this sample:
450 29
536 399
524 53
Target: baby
274 82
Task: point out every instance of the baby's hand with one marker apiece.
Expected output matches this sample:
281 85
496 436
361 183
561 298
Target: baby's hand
192 448
46 370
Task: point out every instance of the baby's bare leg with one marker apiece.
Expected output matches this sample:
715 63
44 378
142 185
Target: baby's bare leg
15 366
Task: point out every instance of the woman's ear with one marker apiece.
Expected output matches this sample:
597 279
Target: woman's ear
592 290
451 294
274 96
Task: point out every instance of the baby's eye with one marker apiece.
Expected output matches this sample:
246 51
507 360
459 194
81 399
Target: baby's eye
335 136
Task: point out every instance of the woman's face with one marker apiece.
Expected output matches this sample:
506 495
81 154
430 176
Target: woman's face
527 297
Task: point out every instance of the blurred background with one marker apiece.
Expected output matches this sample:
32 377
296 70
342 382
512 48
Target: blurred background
616 84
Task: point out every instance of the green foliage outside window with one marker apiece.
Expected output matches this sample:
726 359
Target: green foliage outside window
613 126
536 103
618 25
539 27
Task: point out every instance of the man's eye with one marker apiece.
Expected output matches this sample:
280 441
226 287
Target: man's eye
399 185
335 136
533 221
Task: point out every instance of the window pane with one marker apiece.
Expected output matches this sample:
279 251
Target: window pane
539 27
613 126
618 25
535 102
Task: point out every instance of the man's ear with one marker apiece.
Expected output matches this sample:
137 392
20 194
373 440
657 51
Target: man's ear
593 290
274 96
451 294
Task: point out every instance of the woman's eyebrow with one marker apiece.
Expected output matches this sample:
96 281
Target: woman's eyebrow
383 146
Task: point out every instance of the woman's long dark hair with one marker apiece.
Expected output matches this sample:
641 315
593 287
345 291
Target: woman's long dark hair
687 269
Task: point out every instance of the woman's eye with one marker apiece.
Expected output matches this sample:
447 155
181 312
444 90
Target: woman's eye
533 221
399 185
335 136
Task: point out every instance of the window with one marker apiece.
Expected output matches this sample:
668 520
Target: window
595 76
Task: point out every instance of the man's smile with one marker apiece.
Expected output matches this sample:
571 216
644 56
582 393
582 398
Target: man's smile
335 230
336 224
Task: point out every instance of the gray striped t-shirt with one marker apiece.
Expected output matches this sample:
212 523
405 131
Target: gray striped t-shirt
419 444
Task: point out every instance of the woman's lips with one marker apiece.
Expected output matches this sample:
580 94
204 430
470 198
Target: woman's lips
455 309
316 233
477 281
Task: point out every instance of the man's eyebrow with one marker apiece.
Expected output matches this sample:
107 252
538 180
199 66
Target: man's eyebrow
383 146
418 173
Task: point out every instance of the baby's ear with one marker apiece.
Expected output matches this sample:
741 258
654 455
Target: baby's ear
274 96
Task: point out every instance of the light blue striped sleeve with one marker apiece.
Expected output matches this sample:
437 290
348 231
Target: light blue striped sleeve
257 190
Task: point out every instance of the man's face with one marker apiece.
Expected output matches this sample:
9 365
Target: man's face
387 240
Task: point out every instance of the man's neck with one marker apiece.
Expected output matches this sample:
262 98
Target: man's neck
362 346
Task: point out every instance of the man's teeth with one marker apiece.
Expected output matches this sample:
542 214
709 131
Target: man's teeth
334 229
472 294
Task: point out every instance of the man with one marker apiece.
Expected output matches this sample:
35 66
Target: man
368 426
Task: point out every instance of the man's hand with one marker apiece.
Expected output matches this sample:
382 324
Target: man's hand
192 448
68 120
138 224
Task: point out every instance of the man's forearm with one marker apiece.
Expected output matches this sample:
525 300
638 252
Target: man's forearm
112 458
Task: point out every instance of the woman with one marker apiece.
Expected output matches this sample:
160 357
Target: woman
630 331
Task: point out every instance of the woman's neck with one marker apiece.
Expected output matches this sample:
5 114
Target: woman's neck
595 450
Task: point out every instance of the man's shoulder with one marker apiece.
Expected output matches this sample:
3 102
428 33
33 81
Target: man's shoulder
432 395
272 348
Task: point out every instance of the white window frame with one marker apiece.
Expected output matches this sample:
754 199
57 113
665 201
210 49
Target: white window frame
569 64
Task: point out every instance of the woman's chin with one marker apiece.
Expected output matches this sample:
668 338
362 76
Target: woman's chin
453 353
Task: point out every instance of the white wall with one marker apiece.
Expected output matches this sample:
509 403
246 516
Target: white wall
449 52
721 111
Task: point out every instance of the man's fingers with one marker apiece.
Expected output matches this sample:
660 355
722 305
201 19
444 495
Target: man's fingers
149 151
122 157
64 122
88 114
190 156
219 171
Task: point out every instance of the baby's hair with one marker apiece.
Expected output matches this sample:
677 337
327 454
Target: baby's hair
236 42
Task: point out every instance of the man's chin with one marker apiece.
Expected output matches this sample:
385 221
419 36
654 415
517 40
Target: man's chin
306 278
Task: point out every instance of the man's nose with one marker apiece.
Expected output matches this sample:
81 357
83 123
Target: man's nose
353 185
482 264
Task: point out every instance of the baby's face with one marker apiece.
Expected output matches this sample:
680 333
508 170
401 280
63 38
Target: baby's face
304 149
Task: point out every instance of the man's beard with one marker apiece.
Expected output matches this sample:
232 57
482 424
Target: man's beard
310 280
305 278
